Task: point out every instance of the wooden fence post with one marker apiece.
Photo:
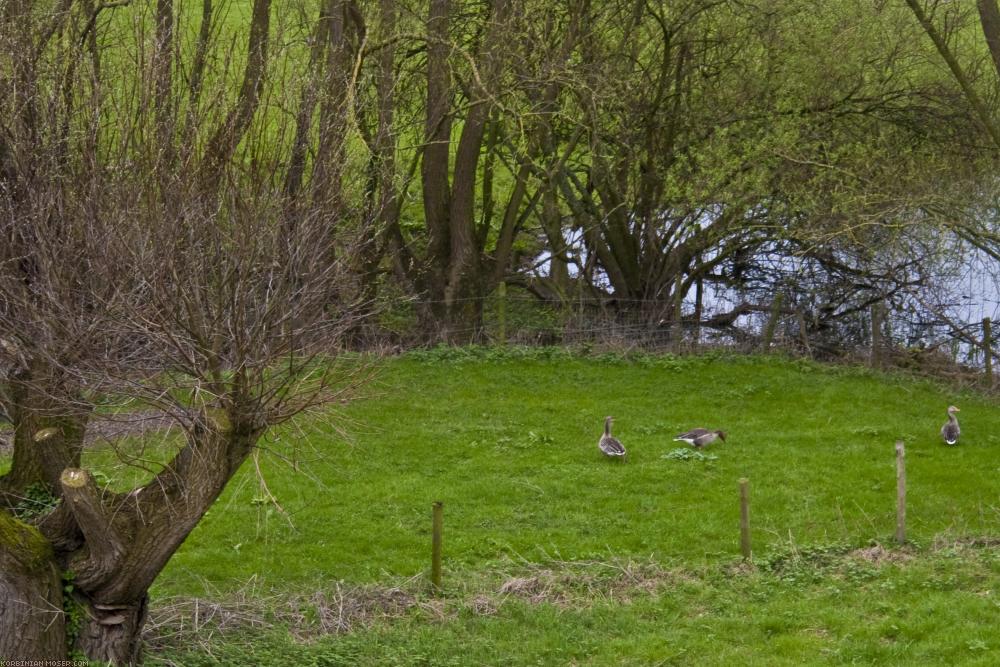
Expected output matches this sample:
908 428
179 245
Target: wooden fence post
745 518
678 330
803 334
437 527
900 492
878 317
699 295
988 350
772 322
502 311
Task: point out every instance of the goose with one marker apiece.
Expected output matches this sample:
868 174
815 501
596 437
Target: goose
608 445
699 437
950 431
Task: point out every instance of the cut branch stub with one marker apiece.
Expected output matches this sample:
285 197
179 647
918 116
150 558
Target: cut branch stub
218 420
104 546
56 448
46 434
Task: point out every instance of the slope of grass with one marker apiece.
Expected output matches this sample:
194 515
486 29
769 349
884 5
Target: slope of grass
507 440
825 606
509 445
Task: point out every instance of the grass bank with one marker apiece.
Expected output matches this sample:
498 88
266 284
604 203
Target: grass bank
317 554
509 445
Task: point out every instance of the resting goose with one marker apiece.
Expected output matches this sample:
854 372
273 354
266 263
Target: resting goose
950 431
608 445
699 437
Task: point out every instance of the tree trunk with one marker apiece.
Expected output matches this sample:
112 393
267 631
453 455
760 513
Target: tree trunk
32 625
434 166
36 621
115 545
331 147
989 19
221 146
45 443
111 633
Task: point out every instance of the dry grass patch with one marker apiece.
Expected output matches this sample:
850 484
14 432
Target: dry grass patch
341 608
876 554
180 621
582 583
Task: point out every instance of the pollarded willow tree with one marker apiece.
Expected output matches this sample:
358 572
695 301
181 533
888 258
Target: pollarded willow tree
152 254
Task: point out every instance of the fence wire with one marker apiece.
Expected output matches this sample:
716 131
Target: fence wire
910 334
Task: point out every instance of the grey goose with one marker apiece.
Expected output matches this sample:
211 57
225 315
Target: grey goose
699 437
950 431
609 445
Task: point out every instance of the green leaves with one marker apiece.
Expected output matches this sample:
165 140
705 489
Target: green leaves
688 454
37 501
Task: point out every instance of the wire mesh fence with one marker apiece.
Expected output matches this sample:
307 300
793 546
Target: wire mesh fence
885 334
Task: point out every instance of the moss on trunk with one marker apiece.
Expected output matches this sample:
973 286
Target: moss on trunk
24 544
32 624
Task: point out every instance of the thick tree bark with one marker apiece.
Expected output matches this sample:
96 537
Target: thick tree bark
153 521
989 19
327 177
111 633
552 224
382 218
434 167
457 273
114 545
512 220
303 120
222 144
45 442
32 625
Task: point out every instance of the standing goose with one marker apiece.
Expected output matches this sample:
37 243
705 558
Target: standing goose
608 445
950 431
699 437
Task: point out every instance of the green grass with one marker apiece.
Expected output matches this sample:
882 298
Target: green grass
509 445
823 606
508 442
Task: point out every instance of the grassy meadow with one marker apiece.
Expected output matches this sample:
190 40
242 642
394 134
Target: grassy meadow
317 554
